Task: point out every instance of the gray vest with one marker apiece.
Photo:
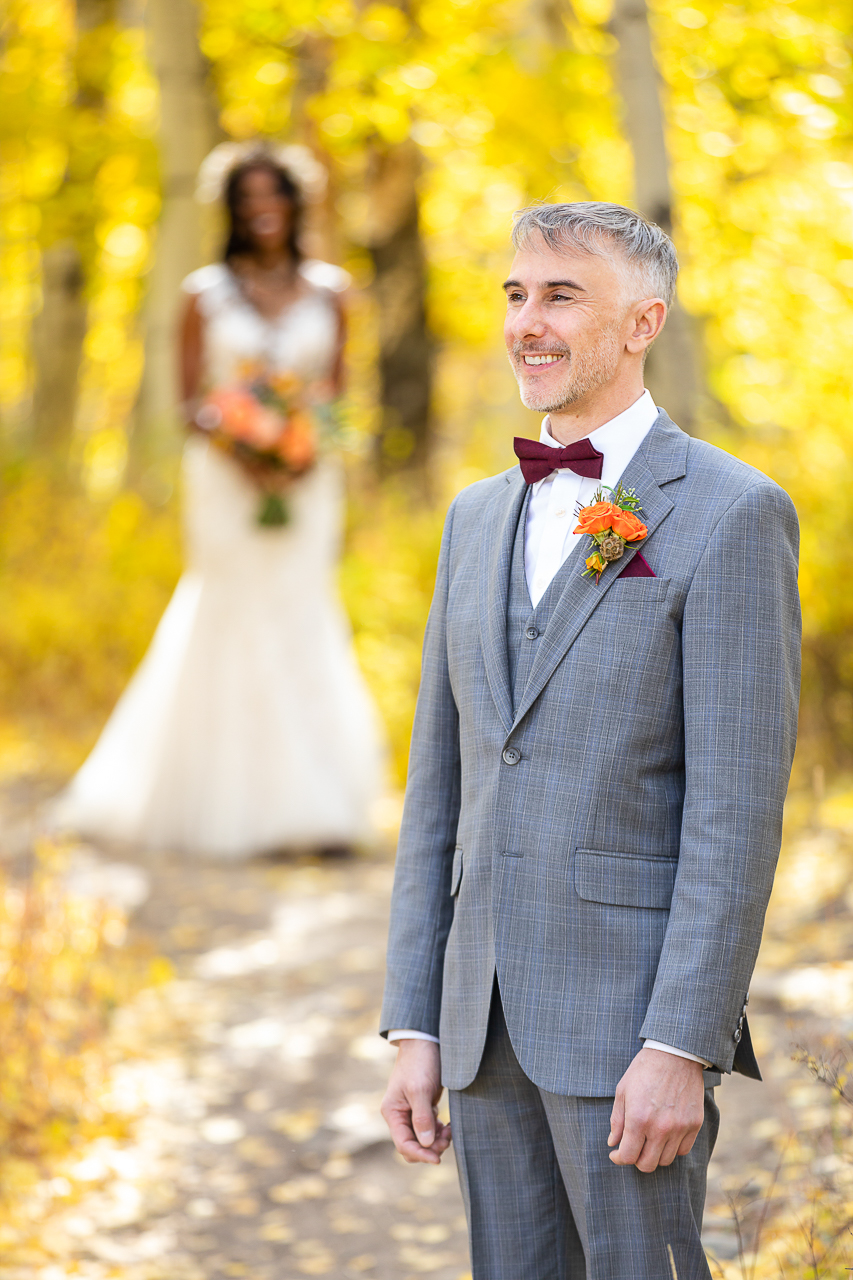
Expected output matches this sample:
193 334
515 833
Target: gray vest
524 624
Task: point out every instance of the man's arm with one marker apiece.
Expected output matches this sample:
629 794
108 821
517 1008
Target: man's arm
741 660
421 906
741 645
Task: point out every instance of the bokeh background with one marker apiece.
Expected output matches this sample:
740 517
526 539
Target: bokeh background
729 123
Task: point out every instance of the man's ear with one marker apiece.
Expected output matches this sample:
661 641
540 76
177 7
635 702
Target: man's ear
649 317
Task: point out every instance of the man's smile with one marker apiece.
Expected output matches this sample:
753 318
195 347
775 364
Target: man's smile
549 359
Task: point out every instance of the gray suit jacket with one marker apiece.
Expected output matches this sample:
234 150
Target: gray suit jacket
616 877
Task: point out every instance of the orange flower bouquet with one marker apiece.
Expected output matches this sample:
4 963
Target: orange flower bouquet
610 525
263 421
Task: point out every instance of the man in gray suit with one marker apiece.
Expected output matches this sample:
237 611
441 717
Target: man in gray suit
595 792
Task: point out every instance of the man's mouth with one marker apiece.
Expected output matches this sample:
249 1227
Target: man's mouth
547 359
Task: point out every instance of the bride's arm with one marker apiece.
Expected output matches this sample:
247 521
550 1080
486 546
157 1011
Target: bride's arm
191 349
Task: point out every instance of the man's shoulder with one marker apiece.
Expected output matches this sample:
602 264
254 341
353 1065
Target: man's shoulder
474 497
718 473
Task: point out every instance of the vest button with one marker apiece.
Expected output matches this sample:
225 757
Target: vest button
511 755
531 633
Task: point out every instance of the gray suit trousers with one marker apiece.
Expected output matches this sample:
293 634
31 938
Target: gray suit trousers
543 1200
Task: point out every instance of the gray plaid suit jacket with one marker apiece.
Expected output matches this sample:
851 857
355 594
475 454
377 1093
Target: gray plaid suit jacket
617 875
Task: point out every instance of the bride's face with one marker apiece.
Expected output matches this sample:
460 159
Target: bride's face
264 211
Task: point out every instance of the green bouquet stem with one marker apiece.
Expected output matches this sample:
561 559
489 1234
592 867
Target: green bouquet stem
273 512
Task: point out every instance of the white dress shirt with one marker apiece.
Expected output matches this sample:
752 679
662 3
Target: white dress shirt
548 540
548 537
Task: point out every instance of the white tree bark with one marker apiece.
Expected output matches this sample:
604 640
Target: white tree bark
187 132
671 370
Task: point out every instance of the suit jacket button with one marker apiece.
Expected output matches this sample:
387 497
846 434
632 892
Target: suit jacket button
737 1035
531 633
511 755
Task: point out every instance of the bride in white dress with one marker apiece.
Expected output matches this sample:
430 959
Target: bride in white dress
247 727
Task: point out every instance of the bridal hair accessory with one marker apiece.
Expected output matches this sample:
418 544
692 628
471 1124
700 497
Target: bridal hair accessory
610 525
299 162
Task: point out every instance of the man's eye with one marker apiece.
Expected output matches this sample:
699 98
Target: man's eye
515 297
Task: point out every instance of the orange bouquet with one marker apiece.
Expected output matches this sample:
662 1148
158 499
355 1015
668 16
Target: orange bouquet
264 421
610 525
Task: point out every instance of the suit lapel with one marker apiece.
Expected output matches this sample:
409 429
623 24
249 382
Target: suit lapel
498 535
661 457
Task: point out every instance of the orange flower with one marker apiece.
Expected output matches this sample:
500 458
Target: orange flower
297 446
627 526
606 515
597 518
595 564
236 410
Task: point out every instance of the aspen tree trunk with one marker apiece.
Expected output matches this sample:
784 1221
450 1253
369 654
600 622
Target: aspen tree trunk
671 370
187 133
405 343
59 329
58 333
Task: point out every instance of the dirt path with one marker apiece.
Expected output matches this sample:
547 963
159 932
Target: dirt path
260 1151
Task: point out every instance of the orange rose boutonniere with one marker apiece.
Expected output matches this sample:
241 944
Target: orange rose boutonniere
610 525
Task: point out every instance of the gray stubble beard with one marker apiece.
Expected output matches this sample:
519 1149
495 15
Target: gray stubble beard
585 372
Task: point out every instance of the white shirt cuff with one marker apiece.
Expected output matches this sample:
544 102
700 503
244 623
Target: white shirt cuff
395 1036
679 1053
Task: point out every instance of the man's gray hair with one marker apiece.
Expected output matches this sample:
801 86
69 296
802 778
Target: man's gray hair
593 227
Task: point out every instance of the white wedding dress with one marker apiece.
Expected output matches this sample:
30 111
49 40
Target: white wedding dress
247 726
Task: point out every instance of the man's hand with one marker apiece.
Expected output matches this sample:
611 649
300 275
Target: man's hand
411 1102
659 1110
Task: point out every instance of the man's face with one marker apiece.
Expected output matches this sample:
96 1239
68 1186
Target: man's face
566 312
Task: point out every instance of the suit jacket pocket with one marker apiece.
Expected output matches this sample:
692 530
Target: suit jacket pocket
456 874
637 589
624 880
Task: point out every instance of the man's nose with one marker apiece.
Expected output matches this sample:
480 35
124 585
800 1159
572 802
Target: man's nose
528 322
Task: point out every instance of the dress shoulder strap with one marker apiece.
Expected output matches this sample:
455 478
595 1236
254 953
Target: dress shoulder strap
325 275
211 285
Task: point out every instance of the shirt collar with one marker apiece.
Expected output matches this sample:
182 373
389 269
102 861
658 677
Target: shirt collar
625 431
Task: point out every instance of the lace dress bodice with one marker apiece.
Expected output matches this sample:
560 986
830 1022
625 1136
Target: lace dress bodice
302 339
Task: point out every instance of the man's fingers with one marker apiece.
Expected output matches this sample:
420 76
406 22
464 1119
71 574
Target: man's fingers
617 1120
423 1119
630 1147
647 1148
404 1139
652 1152
687 1141
670 1151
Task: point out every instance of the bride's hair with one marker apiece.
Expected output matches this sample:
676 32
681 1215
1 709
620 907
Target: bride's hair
238 242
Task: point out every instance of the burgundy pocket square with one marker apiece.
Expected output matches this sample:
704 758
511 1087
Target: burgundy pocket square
639 567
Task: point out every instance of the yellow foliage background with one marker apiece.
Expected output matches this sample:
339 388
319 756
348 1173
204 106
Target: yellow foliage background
507 102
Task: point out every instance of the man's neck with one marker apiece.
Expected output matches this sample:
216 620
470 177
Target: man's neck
578 420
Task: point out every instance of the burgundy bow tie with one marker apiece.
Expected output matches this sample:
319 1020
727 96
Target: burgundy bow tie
539 460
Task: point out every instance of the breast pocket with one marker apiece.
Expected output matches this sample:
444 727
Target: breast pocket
640 590
624 880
